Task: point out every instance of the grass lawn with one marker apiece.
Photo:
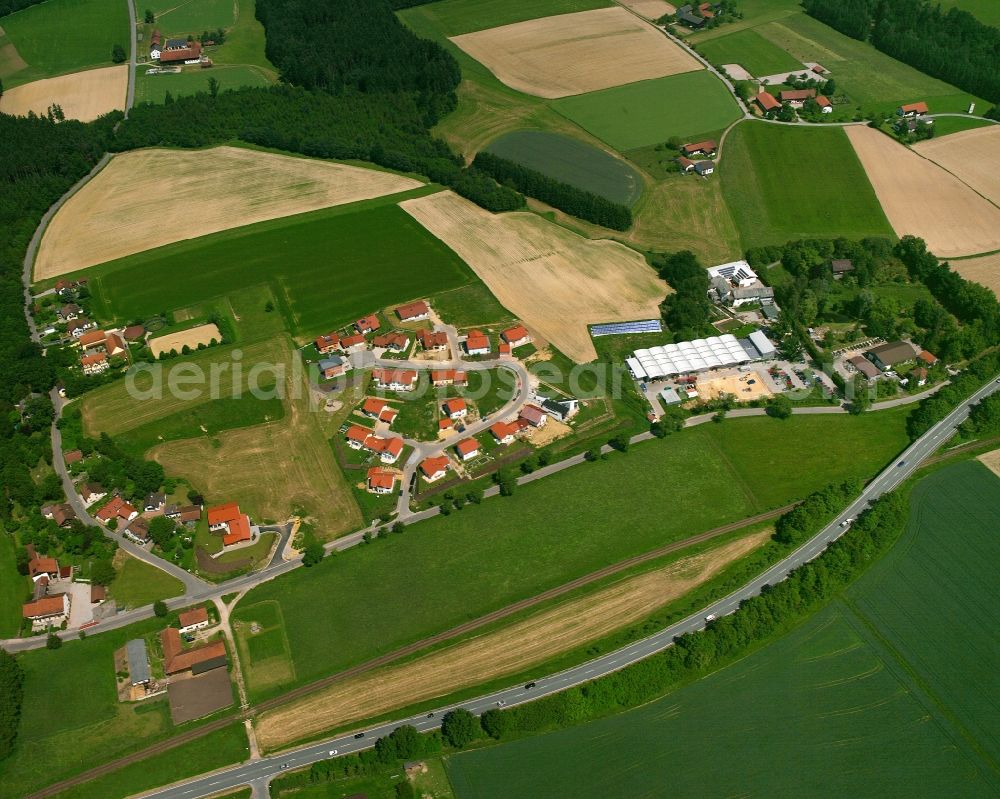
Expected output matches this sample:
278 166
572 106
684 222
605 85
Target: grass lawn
453 17
139 584
651 111
256 552
245 41
13 588
770 201
223 747
154 88
905 659
318 264
751 51
190 16
470 305
657 493
945 125
571 161
60 36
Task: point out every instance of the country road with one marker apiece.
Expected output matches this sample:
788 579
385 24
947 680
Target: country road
892 476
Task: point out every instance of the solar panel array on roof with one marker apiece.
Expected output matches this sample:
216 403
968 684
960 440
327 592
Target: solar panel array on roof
688 356
620 328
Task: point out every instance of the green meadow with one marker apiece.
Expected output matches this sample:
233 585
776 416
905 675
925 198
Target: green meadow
60 36
154 88
651 111
190 16
888 691
569 524
13 587
784 183
751 51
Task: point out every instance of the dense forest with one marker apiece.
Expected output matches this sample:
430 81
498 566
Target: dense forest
578 202
951 45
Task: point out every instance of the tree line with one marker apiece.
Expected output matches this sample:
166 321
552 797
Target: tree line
11 697
571 199
951 45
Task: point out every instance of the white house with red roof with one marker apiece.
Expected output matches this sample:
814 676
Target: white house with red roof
95 363
379 409
455 408
381 481
367 324
432 340
413 311
534 415
448 377
191 620
395 379
231 522
913 109
516 336
467 449
503 432
117 508
327 343
388 449
477 343
433 469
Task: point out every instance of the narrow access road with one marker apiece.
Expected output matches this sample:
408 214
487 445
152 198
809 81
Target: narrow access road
899 470
133 47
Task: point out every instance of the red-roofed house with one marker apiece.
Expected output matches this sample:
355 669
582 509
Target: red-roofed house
445 424
379 409
192 620
188 55
231 522
706 147
355 341
117 508
199 659
448 377
503 432
42 567
929 358
47 611
395 379
455 408
686 164
95 363
328 343
387 449
467 449
432 340
912 109
367 324
767 102
93 338
516 336
825 106
114 345
477 343
73 456
381 481
796 98
395 341
356 436
413 311
534 415
434 469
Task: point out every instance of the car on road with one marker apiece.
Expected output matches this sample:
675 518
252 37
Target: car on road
846 522
333 752
529 686
284 765
500 703
901 463
710 617
359 735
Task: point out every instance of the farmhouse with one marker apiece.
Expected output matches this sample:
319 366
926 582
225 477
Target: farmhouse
328 343
395 341
796 98
413 311
503 432
95 363
767 102
912 109
685 16
704 168
841 267
117 508
434 469
534 415
380 481
448 377
865 367
379 409
190 53
47 611
39 567
191 620
706 147
885 356
455 408
686 164
367 324
197 660
114 345
516 336
395 379
738 273
825 106
431 341
467 449
477 343
231 522
334 366
93 338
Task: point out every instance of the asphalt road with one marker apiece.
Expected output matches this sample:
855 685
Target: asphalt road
890 478
133 46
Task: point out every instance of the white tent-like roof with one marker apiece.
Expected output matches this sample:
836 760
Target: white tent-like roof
687 356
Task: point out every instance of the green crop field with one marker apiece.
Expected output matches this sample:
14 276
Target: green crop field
987 11
154 88
190 16
751 51
453 17
60 36
752 14
13 588
943 126
783 183
139 584
891 691
326 267
651 111
655 494
572 162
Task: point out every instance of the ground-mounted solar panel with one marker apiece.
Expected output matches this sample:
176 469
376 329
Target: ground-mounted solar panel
624 328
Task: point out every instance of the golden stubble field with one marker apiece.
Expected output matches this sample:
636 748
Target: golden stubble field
81 95
510 650
553 279
973 156
650 9
922 199
192 337
984 270
576 53
150 198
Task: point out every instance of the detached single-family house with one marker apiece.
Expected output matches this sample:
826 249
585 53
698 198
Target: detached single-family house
117 508
434 469
154 502
77 327
445 424
387 449
95 363
353 342
367 324
62 514
192 620
231 522
39 567
431 340
395 341
189 515
503 432
138 530
516 336
534 415
69 312
448 377
395 379
467 449
841 267
912 109
920 375
73 456
92 492
334 366
328 343
704 168
379 409
885 356
356 436
706 147
767 102
477 343
928 358
455 408
413 311
381 481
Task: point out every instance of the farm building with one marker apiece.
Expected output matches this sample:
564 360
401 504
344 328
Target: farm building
699 355
885 356
704 168
413 311
825 106
767 102
134 332
431 341
395 379
467 449
796 98
47 611
138 662
686 164
477 343
197 660
191 620
706 147
738 273
912 109
233 524
433 469
685 16
190 53
560 410
93 338
927 357
669 396
380 481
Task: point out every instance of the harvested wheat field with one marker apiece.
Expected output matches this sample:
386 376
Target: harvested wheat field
507 651
81 95
922 199
202 334
122 210
650 9
991 460
984 270
973 156
556 281
576 53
